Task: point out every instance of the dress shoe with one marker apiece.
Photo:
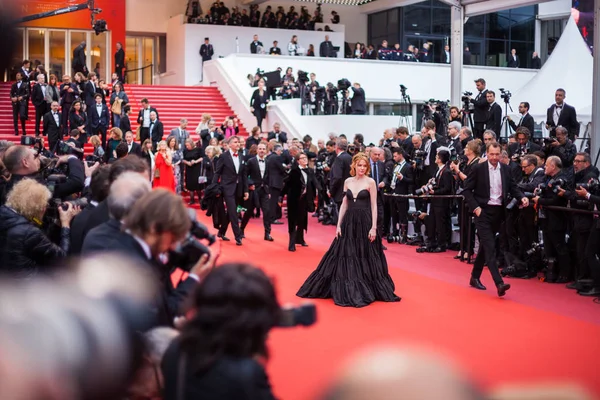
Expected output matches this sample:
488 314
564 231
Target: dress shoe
476 283
458 257
303 244
242 235
292 247
590 293
268 238
439 249
422 249
502 288
277 222
572 285
383 247
224 238
238 241
562 279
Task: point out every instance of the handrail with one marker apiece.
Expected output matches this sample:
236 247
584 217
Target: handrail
142 68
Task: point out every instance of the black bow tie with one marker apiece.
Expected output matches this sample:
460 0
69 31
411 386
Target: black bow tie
557 106
262 161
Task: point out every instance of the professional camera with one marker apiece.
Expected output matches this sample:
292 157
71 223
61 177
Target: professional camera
512 203
64 148
431 185
30 140
520 153
320 165
303 77
304 315
403 90
454 156
92 159
419 159
536 247
591 186
190 249
343 84
505 95
549 140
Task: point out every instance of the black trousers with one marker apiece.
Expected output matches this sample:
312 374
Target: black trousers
100 131
64 116
264 204
298 221
19 112
528 232
387 214
144 134
591 250
399 211
39 114
478 129
488 225
437 231
556 247
231 204
582 270
468 241
275 213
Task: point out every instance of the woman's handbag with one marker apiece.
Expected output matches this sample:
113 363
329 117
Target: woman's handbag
202 178
116 107
138 132
156 173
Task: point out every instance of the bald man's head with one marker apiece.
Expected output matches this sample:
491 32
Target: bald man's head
389 374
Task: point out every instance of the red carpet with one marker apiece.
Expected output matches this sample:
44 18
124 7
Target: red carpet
538 332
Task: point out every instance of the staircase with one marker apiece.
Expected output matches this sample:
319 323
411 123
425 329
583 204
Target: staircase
172 103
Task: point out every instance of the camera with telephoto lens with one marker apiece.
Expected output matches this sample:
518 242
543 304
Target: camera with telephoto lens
505 95
190 250
536 247
303 315
548 141
303 77
553 186
431 185
30 141
419 159
93 159
591 186
403 90
343 84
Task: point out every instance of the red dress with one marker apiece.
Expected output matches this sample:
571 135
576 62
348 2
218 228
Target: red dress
166 179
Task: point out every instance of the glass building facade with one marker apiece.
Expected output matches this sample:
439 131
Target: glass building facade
490 37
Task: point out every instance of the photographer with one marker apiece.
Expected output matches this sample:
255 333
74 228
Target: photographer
155 225
24 162
439 210
593 244
554 223
24 248
402 179
359 106
523 146
526 120
582 223
494 118
330 101
481 107
561 146
461 170
220 350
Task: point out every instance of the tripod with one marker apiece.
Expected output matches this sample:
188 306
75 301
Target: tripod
342 102
505 127
405 112
467 118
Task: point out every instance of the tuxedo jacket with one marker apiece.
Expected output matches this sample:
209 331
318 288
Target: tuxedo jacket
282 137
567 119
340 171
98 120
299 191
90 91
254 46
119 59
480 112
136 149
50 128
232 183
37 95
254 177
275 51
404 185
512 63
494 120
205 135
527 122
23 91
276 172
157 132
140 118
477 186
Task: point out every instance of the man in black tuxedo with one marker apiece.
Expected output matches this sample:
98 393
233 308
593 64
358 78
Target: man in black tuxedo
211 132
340 171
401 182
454 137
231 175
487 190
119 61
255 45
494 119
90 90
523 145
258 184
19 96
99 118
277 174
26 71
562 114
206 51
52 126
481 109
513 59
78 62
526 119
326 48
277 134
275 50
38 98
132 147
359 106
143 119
379 176
156 129
68 95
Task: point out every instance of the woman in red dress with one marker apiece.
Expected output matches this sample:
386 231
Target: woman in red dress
163 172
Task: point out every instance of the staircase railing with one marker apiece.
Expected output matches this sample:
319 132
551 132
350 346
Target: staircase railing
139 69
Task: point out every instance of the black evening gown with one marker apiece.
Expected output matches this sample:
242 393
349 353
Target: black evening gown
354 270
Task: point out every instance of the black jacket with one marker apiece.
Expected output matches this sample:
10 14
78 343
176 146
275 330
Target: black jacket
24 248
358 101
254 46
276 171
232 183
494 119
480 113
281 136
404 185
526 121
104 237
444 186
254 177
50 128
566 119
340 171
529 148
557 220
477 186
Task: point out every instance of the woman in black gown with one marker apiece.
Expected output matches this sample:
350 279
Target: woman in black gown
193 158
354 270
258 103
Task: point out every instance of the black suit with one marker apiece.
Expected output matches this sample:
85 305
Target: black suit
78 62
119 63
53 131
41 106
261 192
104 237
513 62
526 121
494 119
254 46
99 122
359 106
275 51
326 49
206 52
136 149
300 201
145 132
233 186
156 132
281 137
89 218
277 175
340 171
480 114
566 119
379 176
20 107
399 205
477 194
529 148
438 223
206 135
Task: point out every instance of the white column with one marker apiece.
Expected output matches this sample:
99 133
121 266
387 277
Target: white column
537 46
456 54
595 134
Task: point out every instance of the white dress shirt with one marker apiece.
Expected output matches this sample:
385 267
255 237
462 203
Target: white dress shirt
495 185
146 116
236 160
262 166
99 109
397 170
55 115
556 114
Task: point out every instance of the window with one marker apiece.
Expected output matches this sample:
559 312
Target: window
417 19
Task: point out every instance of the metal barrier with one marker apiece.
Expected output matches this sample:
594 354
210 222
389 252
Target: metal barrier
138 69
